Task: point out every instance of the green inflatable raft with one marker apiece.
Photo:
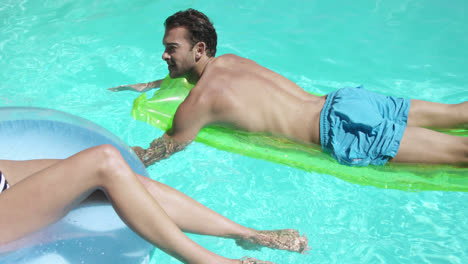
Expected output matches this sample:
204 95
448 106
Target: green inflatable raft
159 112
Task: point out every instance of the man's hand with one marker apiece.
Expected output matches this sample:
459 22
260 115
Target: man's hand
139 151
159 149
139 87
147 156
151 155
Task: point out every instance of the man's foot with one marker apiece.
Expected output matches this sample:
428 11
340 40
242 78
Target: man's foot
285 239
247 260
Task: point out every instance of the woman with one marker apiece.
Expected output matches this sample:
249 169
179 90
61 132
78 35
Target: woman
47 190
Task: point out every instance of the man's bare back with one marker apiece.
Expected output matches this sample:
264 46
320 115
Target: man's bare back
240 93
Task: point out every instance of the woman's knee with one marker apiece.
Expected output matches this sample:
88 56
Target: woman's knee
108 161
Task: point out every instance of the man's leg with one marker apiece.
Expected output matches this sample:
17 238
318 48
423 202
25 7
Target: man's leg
421 145
437 115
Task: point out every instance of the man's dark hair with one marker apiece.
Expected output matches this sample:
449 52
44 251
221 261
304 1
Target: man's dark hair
199 27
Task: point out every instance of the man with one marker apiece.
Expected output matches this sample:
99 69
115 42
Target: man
356 126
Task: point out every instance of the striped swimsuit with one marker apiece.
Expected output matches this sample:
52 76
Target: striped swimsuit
3 183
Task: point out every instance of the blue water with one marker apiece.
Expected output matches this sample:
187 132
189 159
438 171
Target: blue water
64 54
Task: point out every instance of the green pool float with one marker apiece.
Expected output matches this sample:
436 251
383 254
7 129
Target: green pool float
160 109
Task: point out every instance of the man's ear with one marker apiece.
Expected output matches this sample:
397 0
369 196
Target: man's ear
200 50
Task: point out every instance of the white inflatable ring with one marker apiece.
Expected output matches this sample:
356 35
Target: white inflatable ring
91 233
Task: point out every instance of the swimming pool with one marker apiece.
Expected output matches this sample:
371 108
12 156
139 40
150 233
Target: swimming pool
64 54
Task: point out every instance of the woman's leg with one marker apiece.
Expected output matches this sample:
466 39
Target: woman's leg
189 215
193 217
20 170
437 115
50 193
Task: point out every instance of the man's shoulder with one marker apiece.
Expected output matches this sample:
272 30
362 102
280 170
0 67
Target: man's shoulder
223 65
227 59
221 72
227 56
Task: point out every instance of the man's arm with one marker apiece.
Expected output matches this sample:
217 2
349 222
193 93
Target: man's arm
139 87
189 118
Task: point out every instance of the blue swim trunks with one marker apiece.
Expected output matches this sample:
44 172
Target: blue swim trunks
359 127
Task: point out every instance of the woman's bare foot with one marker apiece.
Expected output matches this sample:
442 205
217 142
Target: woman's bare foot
285 239
248 260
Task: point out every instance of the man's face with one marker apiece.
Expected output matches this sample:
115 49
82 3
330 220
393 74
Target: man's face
179 53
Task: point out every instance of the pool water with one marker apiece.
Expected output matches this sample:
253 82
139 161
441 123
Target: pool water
63 54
